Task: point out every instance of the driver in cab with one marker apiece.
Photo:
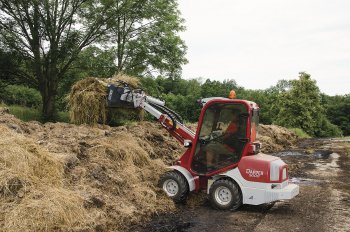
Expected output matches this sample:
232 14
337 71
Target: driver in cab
223 148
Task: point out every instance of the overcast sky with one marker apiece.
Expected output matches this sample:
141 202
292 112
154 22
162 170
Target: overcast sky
258 42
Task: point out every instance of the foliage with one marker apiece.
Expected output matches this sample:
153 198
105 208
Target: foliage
21 95
145 36
265 99
48 36
300 133
42 42
95 62
24 113
338 111
32 114
295 104
300 107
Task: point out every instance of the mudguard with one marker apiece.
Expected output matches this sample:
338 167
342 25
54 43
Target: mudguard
190 179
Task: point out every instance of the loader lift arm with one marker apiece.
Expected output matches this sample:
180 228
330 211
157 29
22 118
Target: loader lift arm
169 119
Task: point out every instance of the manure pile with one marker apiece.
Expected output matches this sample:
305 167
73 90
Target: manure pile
276 138
66 177
59 176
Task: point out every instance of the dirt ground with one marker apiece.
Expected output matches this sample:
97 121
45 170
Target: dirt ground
320 166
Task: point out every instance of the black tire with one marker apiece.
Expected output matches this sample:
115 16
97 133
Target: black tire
168 180
225 194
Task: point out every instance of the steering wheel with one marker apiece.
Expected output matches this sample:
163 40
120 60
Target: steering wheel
214 136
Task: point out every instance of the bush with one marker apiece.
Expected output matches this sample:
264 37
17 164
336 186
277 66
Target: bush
300 133
21 95
327 129
25 113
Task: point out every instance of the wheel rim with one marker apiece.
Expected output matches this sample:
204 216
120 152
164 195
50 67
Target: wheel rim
223 195
171 187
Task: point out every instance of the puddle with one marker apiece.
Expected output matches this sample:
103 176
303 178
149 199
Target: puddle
332 164
289 153
318 154
322 154
304 181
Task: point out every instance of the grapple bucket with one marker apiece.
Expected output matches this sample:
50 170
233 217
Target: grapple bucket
119 97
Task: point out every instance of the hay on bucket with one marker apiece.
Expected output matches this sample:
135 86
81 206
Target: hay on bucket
88 101
132 81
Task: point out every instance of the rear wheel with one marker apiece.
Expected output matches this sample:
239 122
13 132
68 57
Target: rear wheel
175 186
225 194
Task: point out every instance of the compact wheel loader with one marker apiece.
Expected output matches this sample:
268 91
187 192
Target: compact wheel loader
222 156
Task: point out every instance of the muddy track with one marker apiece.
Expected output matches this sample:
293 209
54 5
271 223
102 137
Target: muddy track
322 169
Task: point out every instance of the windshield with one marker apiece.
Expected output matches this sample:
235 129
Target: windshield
222 137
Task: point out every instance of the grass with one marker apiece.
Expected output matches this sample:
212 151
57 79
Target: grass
346 138
300 133
32 114
25 113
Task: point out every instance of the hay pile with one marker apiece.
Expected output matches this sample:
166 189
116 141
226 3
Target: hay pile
88 101
276 138
68 177
32 197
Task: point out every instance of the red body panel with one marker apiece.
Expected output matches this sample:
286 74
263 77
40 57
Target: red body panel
256 168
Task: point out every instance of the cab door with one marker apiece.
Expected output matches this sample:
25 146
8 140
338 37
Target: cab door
222 137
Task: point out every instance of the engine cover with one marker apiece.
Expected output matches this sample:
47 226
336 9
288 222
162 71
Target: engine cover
258 168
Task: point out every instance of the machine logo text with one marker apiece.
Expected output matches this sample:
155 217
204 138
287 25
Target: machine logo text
254 173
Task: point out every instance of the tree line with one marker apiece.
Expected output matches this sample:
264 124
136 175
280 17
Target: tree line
294 103
47 45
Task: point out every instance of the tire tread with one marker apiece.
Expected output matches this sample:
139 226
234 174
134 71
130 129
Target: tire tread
236 195
181 196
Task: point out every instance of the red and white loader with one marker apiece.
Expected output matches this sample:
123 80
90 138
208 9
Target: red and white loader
228 166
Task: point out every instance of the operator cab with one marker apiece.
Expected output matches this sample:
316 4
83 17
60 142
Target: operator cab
225 128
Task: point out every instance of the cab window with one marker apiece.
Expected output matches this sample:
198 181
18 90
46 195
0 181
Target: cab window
222 137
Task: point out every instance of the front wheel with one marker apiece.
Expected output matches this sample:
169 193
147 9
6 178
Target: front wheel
175 186
225 194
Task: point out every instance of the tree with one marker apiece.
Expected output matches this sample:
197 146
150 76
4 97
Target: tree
300 107
95 62
219 89
145 36
338 111
49 35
